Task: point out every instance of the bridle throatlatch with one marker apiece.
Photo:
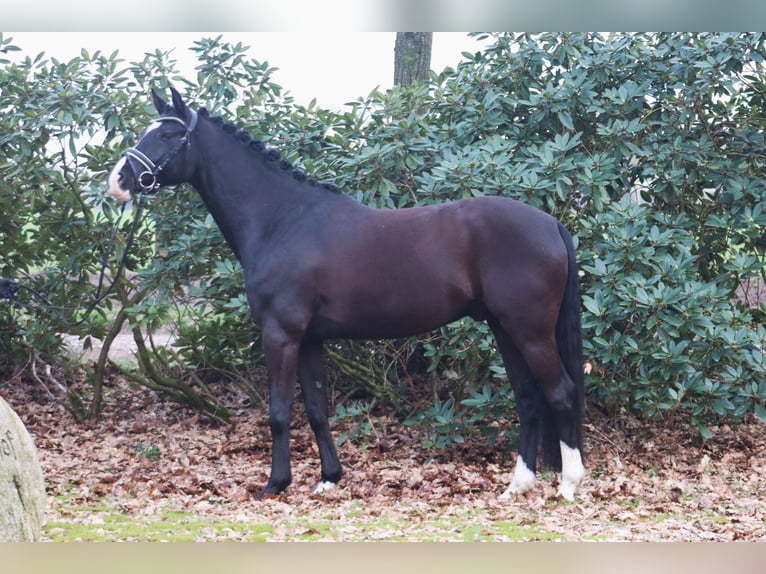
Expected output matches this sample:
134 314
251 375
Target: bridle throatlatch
147 179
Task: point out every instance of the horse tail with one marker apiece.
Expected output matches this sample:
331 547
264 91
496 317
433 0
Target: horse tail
569 340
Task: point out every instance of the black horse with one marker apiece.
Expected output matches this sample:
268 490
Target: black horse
318 265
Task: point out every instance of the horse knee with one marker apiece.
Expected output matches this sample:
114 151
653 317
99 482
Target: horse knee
318 418
315 404
279 419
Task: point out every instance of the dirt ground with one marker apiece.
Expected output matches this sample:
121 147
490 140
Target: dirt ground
122 349
144 458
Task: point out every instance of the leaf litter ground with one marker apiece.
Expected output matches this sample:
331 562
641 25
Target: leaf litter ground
147 469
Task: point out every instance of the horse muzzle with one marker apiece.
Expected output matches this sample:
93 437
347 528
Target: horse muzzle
116 180
134 173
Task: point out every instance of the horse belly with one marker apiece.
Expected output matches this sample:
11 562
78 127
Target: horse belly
385 322
393 307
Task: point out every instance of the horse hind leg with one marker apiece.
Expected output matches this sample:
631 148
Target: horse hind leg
572 468
569 344
562 396
524 476
529 398
550 410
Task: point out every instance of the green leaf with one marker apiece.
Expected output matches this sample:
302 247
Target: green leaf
566 120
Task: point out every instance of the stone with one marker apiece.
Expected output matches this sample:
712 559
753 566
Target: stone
22 488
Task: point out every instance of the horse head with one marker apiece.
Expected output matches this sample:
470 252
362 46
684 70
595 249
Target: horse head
162 155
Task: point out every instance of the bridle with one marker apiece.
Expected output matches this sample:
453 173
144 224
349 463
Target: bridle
147 179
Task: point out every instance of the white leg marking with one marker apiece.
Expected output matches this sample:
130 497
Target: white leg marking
113 183
324 486
572 471
523 480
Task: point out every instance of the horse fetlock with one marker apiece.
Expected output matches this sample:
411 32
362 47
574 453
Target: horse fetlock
572 471
333 476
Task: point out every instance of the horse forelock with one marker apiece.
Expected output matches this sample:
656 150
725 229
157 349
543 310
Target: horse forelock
156 124
258 147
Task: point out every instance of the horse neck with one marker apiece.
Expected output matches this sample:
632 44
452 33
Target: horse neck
243 193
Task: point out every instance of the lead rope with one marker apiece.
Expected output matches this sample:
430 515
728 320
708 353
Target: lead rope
152 170
99 297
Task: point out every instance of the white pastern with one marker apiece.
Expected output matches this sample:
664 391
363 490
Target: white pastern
113 183
523 480
324 486
572 471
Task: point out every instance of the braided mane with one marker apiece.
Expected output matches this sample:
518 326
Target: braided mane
258 147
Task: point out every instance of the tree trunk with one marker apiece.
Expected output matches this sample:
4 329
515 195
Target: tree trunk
412 57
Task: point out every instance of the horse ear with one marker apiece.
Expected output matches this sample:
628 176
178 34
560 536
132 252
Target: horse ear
178 103
159 103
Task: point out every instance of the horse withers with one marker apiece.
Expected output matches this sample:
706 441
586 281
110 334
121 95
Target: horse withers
318 265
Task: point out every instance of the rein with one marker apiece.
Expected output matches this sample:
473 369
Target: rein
148 182
99 297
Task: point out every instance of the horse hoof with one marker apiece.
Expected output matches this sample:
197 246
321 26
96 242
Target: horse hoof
523 480
567 491
507 495
266 496
513 491
324 486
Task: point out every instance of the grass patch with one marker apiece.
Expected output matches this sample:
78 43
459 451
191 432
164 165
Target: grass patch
105 519
96 523
471 527
128 529
523 533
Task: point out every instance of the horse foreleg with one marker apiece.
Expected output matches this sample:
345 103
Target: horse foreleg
281 354
313 381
